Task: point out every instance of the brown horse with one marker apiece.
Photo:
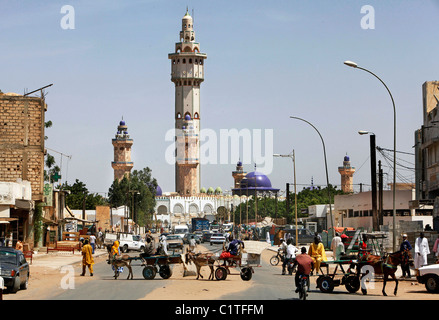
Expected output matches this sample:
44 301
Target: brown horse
200 260
119 261
385 266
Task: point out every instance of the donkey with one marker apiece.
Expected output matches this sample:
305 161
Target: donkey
386 266
200 260
117 262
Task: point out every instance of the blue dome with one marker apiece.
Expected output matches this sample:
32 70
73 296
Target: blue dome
255 180
187 117
239 164
158 191
122 123
346 158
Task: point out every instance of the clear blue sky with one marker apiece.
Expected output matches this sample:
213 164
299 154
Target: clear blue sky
267 61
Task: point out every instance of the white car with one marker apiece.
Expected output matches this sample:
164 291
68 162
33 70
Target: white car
217 238
429 275
131 242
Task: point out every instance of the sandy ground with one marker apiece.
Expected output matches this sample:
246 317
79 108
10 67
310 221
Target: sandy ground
46 281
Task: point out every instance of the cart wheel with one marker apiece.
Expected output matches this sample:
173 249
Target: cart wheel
165 271
149 272
246 274
352 283
326 284
274 261
221 273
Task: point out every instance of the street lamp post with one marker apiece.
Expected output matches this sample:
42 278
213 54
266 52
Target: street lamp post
326 168
292 156
354 65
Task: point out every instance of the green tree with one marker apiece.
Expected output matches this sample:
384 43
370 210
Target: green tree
267 206
50 162
80 196
137 192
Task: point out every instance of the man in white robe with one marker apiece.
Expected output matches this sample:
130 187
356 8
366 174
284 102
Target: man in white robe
421 251
334 244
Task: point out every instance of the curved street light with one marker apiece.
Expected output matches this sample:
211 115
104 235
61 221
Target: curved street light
293 157
326 168
354 65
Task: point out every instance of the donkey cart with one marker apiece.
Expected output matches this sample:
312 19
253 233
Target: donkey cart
157 264
248 259
245 262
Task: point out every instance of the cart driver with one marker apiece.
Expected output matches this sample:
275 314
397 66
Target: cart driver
149 248
304 265
362 247
232 249
317 253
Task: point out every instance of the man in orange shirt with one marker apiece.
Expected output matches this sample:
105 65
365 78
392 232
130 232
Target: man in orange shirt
304 266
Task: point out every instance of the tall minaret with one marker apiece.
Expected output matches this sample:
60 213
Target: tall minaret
238 174
347 173
187 73
122 143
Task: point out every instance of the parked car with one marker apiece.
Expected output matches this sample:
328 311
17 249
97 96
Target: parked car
217 238
305 235
174 241
199 234
206 236
188 236
429 275
14 269
128 241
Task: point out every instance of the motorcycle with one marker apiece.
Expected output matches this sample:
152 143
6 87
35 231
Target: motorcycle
303 286
291 267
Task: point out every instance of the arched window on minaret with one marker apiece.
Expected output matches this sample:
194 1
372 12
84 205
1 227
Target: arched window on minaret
196 116
178 115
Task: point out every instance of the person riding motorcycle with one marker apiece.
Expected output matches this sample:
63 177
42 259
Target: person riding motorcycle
304 265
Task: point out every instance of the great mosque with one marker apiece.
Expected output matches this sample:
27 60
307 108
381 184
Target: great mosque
189 200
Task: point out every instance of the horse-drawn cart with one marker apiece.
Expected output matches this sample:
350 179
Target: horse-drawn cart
327 282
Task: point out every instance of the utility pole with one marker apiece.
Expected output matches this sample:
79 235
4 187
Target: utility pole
374 182
380 188
288 201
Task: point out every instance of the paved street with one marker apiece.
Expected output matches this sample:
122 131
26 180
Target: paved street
267 283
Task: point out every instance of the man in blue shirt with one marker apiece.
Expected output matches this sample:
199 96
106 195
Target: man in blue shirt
232 249
405 263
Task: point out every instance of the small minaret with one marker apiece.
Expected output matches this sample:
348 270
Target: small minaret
187 74
122 143
347 173
238 174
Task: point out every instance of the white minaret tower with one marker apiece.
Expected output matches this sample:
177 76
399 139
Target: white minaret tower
187 73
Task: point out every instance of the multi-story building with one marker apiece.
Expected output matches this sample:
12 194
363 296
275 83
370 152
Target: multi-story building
427 152
21 162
